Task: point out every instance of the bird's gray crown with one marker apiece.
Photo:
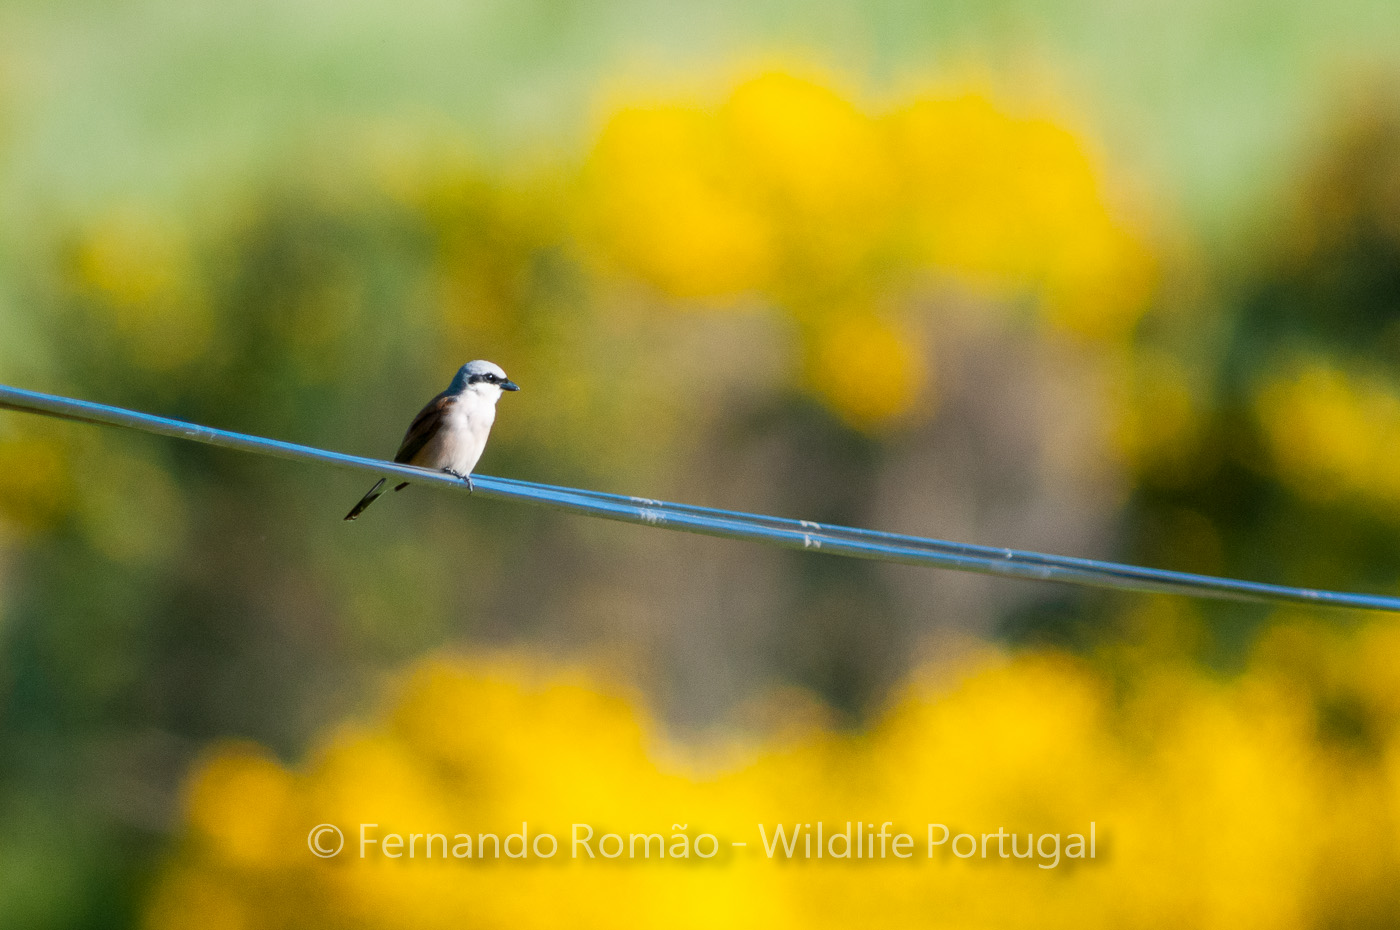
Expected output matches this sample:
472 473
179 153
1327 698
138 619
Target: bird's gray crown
473 372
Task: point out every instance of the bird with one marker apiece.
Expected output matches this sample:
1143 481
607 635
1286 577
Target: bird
450 432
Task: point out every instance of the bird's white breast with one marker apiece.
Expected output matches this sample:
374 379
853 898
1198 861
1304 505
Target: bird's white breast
464 432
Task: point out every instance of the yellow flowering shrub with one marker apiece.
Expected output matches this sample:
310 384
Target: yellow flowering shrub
790 191
35 484
140 267
784 192
854 353
672 207
1158 414
1014 202
1334 435
1184 801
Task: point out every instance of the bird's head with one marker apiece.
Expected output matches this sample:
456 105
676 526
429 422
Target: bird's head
482 377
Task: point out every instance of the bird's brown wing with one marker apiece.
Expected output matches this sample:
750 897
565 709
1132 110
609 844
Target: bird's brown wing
424 427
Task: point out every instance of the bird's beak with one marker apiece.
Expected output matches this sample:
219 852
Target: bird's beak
509 385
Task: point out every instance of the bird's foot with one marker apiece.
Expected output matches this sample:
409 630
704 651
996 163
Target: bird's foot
461 477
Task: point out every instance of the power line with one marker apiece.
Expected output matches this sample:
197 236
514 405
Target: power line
791 534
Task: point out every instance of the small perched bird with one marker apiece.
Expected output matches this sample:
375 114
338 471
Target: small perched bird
450 432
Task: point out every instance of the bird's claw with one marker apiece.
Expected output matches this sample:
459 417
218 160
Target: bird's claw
461 477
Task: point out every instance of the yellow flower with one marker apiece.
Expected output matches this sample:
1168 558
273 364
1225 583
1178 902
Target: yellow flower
667 204
789 191
35 486
1217 803
869 370
140 270
1014 204
237 801
1334 435
822 170
1158 416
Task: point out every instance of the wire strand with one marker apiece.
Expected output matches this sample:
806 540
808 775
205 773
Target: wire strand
778 531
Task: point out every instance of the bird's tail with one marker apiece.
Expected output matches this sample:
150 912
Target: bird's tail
365 501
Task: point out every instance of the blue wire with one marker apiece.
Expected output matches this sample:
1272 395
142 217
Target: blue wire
792 534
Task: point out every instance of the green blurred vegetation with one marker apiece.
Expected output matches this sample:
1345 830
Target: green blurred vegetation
974 272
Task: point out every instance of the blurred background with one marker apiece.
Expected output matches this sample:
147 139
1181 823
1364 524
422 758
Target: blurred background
1097 278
